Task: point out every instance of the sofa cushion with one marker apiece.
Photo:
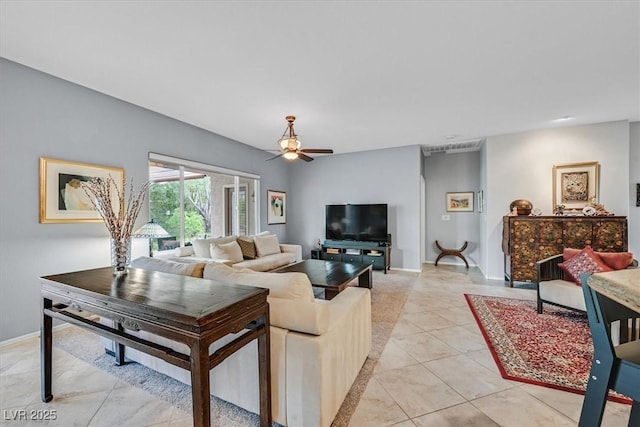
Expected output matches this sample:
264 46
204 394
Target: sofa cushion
183 251
248 247
267 245
226 251
280 285
291 302
166 266
587 261
562 292
615 260
202 247
267 263
300 316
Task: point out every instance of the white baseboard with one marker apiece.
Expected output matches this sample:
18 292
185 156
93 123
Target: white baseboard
411 270
36 334
29 336
451 263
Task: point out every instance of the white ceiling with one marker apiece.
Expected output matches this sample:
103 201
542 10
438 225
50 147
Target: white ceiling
359 75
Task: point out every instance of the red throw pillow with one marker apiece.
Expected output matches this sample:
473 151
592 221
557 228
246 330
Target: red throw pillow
587 261
568 253
615 260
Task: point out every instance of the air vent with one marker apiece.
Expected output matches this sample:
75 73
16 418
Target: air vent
452 148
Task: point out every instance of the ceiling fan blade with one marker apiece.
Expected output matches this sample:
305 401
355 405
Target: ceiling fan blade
304 157
275 157
317 150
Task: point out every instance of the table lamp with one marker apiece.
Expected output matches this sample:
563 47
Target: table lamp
150 230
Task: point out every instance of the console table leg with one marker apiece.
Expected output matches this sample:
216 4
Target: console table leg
264 371
46 340
119 350
200 383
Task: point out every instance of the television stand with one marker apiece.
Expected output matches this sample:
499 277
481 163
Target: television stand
378 254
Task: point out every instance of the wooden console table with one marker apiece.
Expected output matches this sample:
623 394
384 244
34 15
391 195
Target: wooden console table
196 312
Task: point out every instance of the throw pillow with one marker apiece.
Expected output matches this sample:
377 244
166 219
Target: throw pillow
615 260
587 261
183 251
267 245
248 247
202 247
226 251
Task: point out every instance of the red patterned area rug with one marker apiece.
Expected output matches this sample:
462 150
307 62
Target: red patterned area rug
553 349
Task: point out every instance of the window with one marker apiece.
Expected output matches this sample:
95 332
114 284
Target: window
192 200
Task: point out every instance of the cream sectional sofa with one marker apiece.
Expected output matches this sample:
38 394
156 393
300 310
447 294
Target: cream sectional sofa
261 252
317 347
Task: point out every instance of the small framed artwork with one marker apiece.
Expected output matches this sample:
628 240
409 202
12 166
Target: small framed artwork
460 202
276 207
62 198
480 201
575 185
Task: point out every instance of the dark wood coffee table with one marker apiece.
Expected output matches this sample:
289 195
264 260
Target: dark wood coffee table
333 276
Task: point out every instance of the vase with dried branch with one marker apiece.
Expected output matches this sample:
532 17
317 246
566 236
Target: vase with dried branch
119 212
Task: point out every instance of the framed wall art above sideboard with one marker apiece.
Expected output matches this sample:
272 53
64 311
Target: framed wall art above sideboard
575 185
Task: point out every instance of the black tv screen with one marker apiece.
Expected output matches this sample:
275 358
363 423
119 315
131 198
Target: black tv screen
365 223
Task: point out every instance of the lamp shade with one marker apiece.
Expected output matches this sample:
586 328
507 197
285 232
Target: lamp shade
150 230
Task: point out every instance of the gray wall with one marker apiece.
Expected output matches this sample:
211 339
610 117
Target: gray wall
45 116
389 176
634 179
452 173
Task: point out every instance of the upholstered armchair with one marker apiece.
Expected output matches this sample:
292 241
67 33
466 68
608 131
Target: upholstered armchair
555 286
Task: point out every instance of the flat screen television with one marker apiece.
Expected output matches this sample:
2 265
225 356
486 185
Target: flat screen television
364 223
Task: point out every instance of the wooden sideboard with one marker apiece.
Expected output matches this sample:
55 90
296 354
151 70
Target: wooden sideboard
527 239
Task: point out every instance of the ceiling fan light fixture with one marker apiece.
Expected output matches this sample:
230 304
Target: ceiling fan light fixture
290 155
289 143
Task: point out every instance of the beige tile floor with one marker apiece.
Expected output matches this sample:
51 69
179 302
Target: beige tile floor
434 371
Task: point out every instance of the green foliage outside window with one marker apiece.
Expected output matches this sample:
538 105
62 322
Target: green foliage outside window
164 205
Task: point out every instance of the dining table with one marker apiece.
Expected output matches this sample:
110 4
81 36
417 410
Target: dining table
622 286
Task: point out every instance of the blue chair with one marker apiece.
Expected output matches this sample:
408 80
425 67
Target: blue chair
614 367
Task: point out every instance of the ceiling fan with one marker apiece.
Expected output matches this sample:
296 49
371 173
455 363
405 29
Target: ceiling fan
290 145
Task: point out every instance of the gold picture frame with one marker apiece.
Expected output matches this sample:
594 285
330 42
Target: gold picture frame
575 185
460 201
62 199
276 207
